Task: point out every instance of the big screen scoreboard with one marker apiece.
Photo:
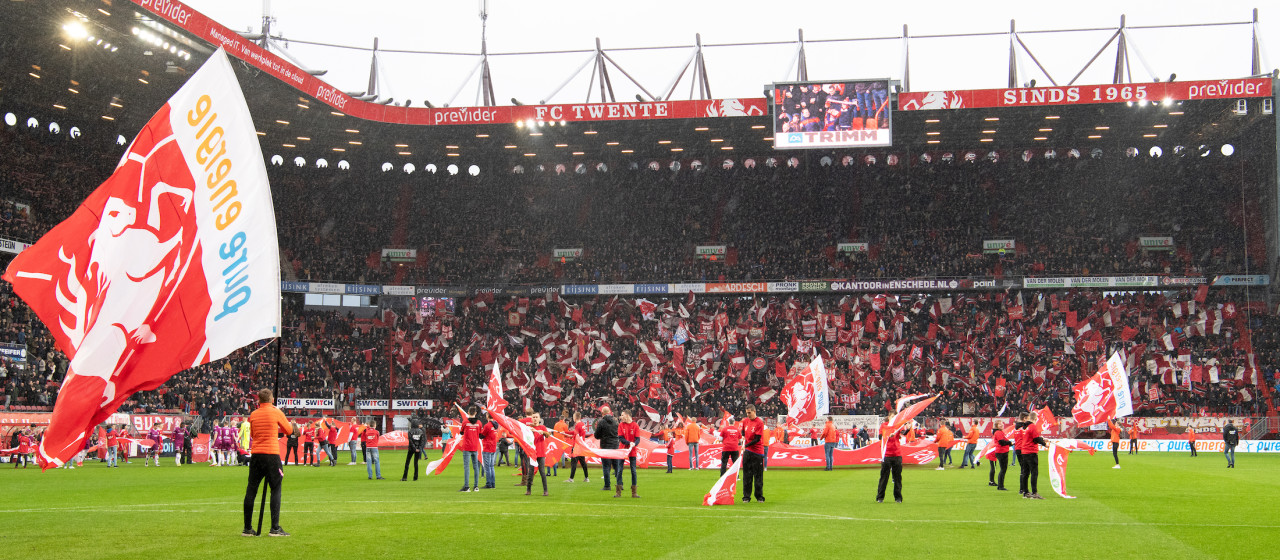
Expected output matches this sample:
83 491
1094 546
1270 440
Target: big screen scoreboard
840 114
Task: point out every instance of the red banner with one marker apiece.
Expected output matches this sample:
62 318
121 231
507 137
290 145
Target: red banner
1080 95
204 28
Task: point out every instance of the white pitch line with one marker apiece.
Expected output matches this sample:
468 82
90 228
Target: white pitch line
752 515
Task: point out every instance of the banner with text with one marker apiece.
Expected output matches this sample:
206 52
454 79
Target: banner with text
1078 95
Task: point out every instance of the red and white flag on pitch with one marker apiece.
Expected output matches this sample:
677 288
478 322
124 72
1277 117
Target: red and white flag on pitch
171 263
582 448
906 413
493 391
1058 452
437 466
724 490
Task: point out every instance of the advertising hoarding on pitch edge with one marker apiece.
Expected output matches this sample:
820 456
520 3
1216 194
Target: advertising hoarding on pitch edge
840 114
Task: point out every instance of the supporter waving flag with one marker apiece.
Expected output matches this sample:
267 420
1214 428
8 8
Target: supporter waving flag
493 390
1058 452
171 263
806 395
1105 395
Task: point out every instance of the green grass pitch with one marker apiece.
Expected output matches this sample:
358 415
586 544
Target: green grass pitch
1157 506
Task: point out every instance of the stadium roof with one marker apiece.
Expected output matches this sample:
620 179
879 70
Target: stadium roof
105 67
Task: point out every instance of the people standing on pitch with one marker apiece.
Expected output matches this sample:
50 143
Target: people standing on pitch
540 434
113 453
607 434
331 440
369 441
189 443
157 441
417 437
562 431
1191 440
221 443
730 440
504 448
1029 445
24 448
243 438
629 433
779 435
322 441
970 447
1016 435
357 429
692 435
309 444
891 463
577 436
944 440
470 434
830 437
1002 455
753 433
179 437
670 436
265 425
1230 439
291 447
1115 441
488 450
1133 437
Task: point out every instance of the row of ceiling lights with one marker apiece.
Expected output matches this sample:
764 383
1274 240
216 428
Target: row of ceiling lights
1094 136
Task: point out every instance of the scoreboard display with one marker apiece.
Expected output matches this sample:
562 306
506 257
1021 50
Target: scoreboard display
839 114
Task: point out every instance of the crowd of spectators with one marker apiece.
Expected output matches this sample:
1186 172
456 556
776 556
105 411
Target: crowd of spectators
1068 216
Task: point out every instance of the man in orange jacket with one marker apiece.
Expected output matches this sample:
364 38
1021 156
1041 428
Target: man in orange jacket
830 437
265 424
1115 441
970 446
692 434
944 441
1133 438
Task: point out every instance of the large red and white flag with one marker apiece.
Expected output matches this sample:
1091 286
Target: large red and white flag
650 412
493 391
1104 396
437 466
906 413
520 432
1058 452
724 490
806 395
171 263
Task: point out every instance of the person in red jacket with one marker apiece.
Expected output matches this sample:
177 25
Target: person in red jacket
1003 443
1029 446
470 434
753 456
372 463
629 433
489 451
891 464
579 434
540 447
730 437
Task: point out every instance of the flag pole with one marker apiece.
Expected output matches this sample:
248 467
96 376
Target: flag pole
275 389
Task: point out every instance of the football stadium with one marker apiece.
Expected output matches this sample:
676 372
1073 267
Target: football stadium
841 286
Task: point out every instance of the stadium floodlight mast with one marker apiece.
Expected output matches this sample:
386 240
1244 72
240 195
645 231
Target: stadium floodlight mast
266 40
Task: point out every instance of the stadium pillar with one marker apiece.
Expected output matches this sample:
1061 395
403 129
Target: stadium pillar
1013 56
906 60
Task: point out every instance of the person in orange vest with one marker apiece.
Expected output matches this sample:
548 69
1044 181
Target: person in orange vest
1133 438
562 431
692 434
944 441
1191 440
780 436
265 425
830 437
970 447
1115 441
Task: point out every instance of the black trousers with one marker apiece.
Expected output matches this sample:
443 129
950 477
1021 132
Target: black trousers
1003 459
573 467
291 448
1115 451
1192 445
332 450
528 476
309 453
890 466
752 475
1030 463
414 456
263 466
186 452
1133 446
727 458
